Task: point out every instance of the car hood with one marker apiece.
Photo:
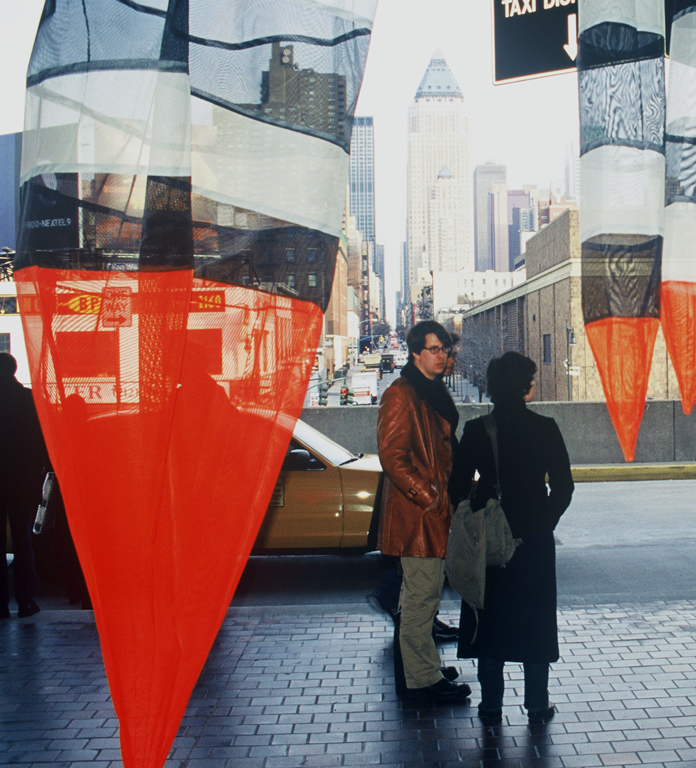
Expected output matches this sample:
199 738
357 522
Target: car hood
369 462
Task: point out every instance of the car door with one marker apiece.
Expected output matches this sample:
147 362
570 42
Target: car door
306 509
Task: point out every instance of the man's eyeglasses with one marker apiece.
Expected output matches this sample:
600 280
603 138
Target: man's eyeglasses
438 350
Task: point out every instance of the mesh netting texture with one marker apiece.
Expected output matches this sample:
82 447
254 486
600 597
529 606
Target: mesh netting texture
622 165
183 182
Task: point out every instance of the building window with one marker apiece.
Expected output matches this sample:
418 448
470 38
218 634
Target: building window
290 255
312 279
547 349
8 305
5 342
291 280
311 255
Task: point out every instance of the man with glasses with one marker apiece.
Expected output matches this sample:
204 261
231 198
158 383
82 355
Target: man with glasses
416 434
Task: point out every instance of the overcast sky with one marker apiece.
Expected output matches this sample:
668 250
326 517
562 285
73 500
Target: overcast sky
525 126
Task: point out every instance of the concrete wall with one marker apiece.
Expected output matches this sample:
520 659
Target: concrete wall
666 434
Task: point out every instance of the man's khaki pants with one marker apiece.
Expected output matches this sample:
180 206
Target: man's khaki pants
419 600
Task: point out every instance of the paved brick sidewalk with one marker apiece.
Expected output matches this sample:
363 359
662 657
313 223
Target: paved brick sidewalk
284 689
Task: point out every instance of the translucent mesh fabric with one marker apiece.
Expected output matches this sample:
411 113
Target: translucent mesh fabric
623 349
679 261
167 403
251 104
183 184
622 119
621 276
679 328
623 104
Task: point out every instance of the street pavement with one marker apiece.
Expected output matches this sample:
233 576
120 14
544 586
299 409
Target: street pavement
301 672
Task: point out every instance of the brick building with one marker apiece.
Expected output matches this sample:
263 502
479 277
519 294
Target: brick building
543 316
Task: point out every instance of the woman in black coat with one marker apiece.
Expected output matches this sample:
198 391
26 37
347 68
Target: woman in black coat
518 622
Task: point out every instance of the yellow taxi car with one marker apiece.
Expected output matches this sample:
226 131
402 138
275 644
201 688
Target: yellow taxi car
326 498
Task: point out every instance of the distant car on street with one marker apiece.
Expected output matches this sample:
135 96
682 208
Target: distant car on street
387 364
400 359
326 498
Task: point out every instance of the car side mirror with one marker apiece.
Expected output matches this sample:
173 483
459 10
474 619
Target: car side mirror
297 460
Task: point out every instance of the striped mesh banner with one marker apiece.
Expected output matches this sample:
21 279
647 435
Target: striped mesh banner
679 261
183 184
622 167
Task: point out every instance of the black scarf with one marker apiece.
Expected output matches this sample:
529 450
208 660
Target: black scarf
434 392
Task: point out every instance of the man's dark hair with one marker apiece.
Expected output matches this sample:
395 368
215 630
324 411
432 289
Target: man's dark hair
509 377
415 338
8 365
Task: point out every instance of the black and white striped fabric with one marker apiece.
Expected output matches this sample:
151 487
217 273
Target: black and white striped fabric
211 134
622 116
679 263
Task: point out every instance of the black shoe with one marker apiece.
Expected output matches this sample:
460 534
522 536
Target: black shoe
449 673
443 690
541 716
4 612
27 609
490 716
442 631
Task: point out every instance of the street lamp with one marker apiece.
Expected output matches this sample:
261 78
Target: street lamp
570 339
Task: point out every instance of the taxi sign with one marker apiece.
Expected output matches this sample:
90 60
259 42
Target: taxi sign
533 38
536 38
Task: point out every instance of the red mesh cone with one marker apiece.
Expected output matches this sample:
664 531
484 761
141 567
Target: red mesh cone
679 327
623 349
167 404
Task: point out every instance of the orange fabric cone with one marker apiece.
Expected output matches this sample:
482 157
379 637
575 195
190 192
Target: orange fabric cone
623 349
167 403
679 326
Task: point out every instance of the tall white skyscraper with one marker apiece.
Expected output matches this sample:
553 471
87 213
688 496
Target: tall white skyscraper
440 213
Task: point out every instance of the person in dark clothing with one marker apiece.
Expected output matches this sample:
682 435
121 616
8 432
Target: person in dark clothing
23 458
518 622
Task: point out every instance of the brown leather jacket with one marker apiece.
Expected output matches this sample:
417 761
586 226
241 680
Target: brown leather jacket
416 455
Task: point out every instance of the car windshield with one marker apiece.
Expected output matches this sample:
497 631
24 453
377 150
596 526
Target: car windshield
333 452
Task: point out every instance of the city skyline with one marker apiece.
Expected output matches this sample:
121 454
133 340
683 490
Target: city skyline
524 126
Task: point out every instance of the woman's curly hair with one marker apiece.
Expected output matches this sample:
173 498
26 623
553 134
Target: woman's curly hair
509 377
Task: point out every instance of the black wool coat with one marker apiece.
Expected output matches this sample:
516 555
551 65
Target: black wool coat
518 622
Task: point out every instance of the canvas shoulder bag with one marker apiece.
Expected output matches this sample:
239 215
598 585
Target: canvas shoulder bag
478 540
465 558
500 544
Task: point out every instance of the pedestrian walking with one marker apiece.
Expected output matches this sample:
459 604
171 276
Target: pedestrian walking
416 434
23 460
518 621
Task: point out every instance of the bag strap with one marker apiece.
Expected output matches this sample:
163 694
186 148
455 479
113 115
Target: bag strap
492 429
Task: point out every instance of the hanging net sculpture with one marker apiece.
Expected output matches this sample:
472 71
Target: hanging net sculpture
183 183
622 166
679 258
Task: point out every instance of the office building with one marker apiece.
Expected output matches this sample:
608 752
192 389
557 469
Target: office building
10 158
439 195
362 176
485 176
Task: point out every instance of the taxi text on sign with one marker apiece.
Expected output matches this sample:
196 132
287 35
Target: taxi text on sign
532 38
